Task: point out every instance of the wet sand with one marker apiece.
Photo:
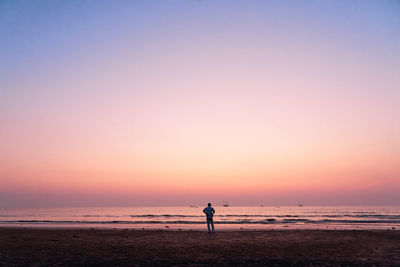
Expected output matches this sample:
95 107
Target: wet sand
22 247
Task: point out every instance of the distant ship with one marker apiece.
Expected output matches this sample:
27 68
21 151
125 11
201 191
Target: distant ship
225 203
300 205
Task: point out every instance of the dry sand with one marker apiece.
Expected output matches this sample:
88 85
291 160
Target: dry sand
197 248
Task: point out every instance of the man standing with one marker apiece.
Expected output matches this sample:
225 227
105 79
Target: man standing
209 211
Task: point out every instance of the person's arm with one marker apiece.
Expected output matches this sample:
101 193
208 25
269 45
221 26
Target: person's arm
213 211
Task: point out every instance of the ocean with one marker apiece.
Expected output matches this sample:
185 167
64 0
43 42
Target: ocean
186 218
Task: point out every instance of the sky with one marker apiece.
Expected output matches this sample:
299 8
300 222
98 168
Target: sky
174 102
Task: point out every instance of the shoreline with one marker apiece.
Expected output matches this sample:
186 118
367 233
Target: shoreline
19 247
202 229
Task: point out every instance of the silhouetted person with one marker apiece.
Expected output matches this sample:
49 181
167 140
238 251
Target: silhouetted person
209 211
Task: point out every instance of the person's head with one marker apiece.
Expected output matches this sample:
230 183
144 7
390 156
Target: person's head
209 204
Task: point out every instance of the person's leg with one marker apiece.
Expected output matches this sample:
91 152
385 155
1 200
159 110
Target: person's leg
212 224
208 225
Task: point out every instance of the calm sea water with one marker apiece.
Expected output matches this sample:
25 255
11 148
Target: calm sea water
387 217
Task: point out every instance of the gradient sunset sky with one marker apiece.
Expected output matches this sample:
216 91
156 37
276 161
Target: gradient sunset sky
185 102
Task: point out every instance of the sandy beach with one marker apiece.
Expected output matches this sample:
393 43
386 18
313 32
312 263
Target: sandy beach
21 247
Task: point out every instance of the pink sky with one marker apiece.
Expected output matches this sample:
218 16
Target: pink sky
117 108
